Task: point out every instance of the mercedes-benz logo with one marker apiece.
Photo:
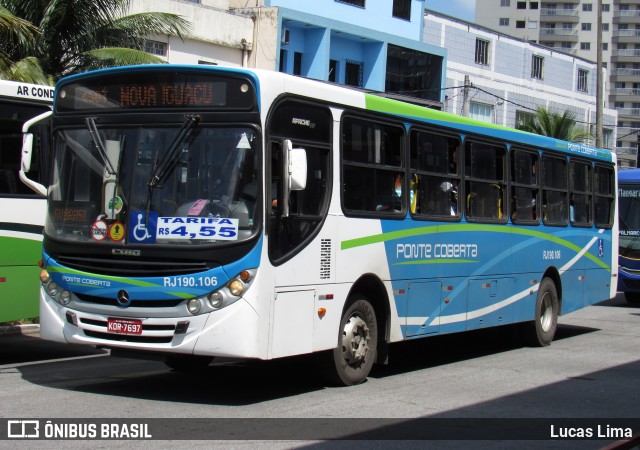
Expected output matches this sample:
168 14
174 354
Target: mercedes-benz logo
123 298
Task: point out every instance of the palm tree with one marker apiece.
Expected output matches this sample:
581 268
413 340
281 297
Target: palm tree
43 40
554 125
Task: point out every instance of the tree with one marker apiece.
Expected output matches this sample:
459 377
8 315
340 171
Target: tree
554 125
43 40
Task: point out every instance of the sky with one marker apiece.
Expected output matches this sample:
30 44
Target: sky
462 9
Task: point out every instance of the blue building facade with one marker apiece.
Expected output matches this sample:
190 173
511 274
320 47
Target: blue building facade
372 44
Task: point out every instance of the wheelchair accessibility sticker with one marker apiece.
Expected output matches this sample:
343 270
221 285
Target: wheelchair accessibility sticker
142 227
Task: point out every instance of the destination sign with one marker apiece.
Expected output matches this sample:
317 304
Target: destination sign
156 90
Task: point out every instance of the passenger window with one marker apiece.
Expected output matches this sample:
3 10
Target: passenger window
484 182
525 203
435 178
554 190
580 197
604 202
372 168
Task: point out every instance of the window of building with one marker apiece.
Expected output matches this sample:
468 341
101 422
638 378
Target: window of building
587 7
485 182
566 45
585 45
297 63
207 63
482 51
155 48
505 3
504 21
532 25
537 66
412 72
522 117
353 73
372 167
554 190
520 23
606 7
605 46
402 9
435 176
533 5
521 5
605 27
586 27
333 70
359 3
582 80
481 111
618 105
283 61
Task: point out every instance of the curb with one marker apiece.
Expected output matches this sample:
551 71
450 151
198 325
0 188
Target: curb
6 330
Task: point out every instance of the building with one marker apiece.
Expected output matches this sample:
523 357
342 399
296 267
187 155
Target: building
374 45
572 27
508 78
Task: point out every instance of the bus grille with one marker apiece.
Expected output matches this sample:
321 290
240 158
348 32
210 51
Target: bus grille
129 338
137 268
134 303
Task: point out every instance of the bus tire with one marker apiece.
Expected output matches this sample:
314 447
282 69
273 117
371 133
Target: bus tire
633 298
351 361
540 331
188 363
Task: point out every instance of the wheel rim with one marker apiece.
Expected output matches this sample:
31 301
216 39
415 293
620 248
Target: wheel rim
355 340
546 312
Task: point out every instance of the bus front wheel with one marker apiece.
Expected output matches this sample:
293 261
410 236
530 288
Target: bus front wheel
540 331
351 361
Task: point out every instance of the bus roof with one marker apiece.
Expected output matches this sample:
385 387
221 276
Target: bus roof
629 175
343 95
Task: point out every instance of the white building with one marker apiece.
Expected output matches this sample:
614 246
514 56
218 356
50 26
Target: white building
510 77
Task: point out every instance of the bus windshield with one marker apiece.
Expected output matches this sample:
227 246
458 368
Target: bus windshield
629 215
186 184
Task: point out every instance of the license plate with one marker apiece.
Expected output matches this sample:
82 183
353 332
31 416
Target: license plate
124 326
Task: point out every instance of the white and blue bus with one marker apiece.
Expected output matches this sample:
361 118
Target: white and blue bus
629 217
22 210
201 212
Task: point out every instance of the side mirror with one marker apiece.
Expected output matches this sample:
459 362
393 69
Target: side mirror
27 152
295 172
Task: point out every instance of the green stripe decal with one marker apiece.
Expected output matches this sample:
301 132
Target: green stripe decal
423 231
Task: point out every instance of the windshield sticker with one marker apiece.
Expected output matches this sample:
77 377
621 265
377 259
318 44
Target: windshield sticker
115 205
99 230
142 227
197 207
116 231
210 228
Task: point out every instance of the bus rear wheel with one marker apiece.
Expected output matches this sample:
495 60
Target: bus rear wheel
540 331
188 363
351 361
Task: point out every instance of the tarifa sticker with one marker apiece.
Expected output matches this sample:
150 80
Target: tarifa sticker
115 205
99 230
218 228
116 231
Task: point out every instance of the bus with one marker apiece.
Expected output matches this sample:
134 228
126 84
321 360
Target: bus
202 212
629 218
22 210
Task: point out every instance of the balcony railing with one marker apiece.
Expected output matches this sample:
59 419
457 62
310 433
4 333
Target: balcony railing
631 52
631 151
628 111
626 33
558 12
626 72
626 91
557 32
627 13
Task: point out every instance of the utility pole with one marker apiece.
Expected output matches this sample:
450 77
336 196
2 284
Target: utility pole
465 96
599 81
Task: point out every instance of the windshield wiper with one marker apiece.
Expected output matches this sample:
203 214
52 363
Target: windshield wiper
171 157
97 141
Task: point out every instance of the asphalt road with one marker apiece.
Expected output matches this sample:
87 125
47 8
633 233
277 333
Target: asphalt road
591 372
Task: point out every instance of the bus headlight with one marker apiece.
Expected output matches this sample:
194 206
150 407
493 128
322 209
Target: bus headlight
236 287
215 299
194 306
52 289
65 297
44 276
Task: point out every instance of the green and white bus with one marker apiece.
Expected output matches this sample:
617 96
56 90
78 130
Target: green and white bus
199 212
22 210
